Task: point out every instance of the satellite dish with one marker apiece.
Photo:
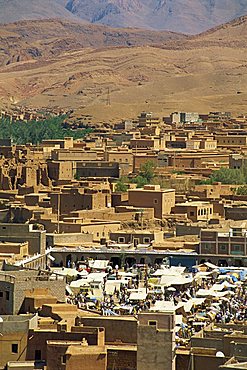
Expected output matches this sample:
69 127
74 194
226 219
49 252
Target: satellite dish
220 354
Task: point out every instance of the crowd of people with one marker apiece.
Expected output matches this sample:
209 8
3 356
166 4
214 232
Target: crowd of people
229 306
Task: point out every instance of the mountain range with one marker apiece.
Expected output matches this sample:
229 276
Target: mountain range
185 16
59 63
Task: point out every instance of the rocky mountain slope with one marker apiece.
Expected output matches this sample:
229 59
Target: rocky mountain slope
199 73
45 39
186 16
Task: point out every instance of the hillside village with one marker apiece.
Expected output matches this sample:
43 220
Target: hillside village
132 235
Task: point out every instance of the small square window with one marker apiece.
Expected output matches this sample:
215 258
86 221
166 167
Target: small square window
14 348
152 322
155 201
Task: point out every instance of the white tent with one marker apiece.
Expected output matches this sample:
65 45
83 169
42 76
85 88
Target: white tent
175 280
96 277
99 264
138 294
163 306
79 283
66 272
111 285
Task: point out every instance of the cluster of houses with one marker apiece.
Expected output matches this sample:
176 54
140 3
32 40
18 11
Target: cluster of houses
65 202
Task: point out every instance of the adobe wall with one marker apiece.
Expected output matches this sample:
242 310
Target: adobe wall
68 238
121 359
37 340
116 330
6 302
155 349
207 343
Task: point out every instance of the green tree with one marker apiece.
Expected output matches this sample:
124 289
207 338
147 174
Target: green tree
147 170
140 181
77 177
242 190
228 176
34 132
121 185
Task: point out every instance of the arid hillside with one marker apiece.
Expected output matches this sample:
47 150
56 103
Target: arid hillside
202 73
44 39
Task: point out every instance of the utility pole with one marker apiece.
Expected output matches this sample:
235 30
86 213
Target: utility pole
146 278
108 101
142 211
58 211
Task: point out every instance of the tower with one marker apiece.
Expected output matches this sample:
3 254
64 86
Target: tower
156 341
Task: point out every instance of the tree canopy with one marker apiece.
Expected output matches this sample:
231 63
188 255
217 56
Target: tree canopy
227 176
36 131
242 190
147 171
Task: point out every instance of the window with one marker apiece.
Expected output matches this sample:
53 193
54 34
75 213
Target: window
192 213
121 239
63 360
7 295
1 294
136 241
146 240
155 201
14 348
37 355
152 322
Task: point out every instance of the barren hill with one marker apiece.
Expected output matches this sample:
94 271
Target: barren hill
202 73
44 39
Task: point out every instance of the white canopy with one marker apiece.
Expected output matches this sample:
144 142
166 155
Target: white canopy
175 280
66 271
99 264
138 295
163 306
96 277
172 271
79 283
